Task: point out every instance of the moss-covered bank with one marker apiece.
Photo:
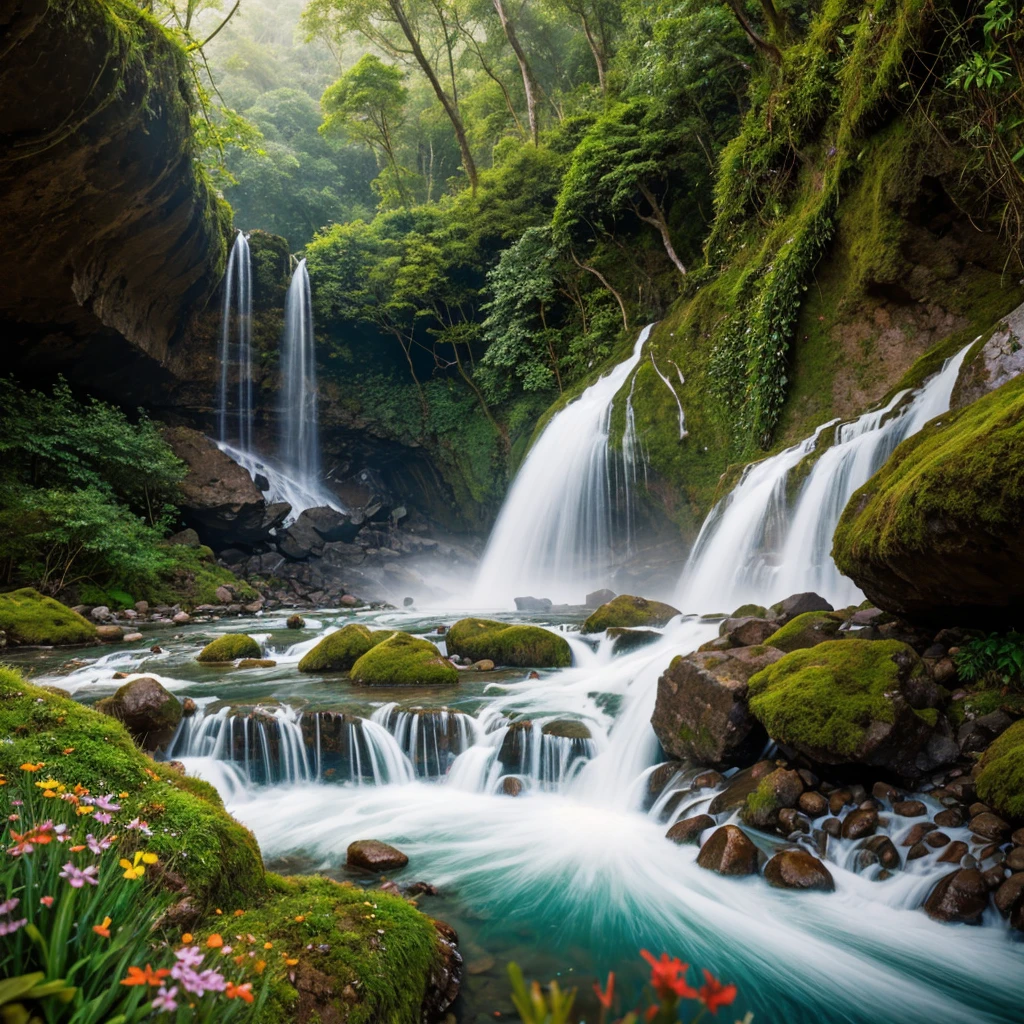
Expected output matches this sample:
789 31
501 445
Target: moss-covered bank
1001 779
29 618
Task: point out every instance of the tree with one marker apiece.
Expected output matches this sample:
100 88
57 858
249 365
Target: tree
530 87
367 104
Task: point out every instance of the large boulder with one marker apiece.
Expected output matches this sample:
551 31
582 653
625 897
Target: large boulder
218 497
373 855
853 702
701 712
339 651
627 610
404 660
26 617
935 534
147 710
229 647
960 897
522 646
799 604
1001 779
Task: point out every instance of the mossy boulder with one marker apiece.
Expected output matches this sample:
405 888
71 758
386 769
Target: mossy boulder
230 647
404 660
149 712
522 646
627 610
217 858
1001 779
29 618
339 651
936 533
806 630
854 701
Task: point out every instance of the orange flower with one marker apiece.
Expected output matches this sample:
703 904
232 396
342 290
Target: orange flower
268 945
138 976
260 966
80 790
214 941
300 917
239 913
29 767
186 938
291 963
714 994
77 849
234 991
605 998
667 977
103 929
68 750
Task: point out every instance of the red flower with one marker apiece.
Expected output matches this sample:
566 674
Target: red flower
605 998
240 991
667 977
714 994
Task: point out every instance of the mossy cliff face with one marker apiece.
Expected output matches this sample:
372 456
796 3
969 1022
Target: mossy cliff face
1001 779
98 147
935 534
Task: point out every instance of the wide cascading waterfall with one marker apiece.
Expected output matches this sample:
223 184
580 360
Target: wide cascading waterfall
300 440
759 544
557 535
234 404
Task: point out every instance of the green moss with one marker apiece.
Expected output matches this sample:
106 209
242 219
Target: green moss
964 470
1001 779
760 806
217 857
404 660
29 618
191 578
339 651
826 697
984 702
627 610
373 945
230 647
756 610
523 646
806 630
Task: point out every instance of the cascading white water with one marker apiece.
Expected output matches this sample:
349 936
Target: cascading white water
300 440
559 533
757 547
235 424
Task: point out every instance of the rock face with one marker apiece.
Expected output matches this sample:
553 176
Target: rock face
854 702
1000 360
701 711
149 712
627 610
935 534
134 237
374 855
523 646
798 869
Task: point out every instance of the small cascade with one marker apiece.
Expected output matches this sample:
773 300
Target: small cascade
300 441
431 740
234 413
759 544
561 528
547 759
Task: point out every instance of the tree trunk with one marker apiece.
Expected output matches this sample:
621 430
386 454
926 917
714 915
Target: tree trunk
597 273
499 428
658 220
596 51
769 49
445 100
529 82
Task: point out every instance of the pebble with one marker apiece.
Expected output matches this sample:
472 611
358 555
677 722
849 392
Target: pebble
910 808
954 853
937 839
949 818
860 823
1015 858
918 832
832 827
813 804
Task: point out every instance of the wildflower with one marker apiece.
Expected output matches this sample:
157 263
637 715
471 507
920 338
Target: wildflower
714 994
268 945
138 976
239 913
3 780
26 842
29 767
97 846
135 868
68 750
50 783
239 991
186 938
77 849
103 819
10 927
103 930
666 977
605 998
291 962
46 901
300 917
226 950
214 941
260 966
164 999
84 809
136 825
80 790
77 878
8 905
105 803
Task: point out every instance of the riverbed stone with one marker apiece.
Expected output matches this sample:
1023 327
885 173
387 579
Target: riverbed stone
989 826
739 786
777 791
799 604
1010 894
701 712
404 660
883 848
910 808
295 622
729 851
798 869
689 830
860 823
229 647
374 855
954 853
746 631
148 711
340 650
960 896
813 804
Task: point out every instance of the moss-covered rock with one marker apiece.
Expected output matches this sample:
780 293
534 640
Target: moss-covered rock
523 646
807 630
627 610
851 701
230 647
339 651
216 856
1001 779
404 660
936 533
29 618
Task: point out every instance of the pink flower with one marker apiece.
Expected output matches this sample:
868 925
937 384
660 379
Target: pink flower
190 956
8 905
103 819
77 877
164 998
10 927
197 983
139 826
105 803
97 845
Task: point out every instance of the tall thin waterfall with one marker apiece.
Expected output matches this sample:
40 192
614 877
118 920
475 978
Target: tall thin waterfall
556 531
759 546
234 413
300 442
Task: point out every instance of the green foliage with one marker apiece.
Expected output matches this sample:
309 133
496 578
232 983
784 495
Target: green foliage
1001 779
27 617
995 659
190 577
340 650
626 610
524 646
534 1006
230 647
404 660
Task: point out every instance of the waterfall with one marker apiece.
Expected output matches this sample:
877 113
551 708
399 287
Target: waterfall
556 535
300 442
757 546
236 348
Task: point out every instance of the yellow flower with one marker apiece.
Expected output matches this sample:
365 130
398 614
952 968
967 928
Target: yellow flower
291 963
50 784
135 868
84 809
149 858
300 917
124 796
268 945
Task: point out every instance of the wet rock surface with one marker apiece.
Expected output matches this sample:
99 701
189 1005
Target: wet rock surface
729 851
374 855
798 869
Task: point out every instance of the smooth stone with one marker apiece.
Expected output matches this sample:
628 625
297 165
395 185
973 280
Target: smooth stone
257 663
884 850
814 805
954 853
1010 894
375 856
960 896
918 832
936 839
860 823
798 869
729 851
989 826
909 809
1015 859
832 827
689 830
